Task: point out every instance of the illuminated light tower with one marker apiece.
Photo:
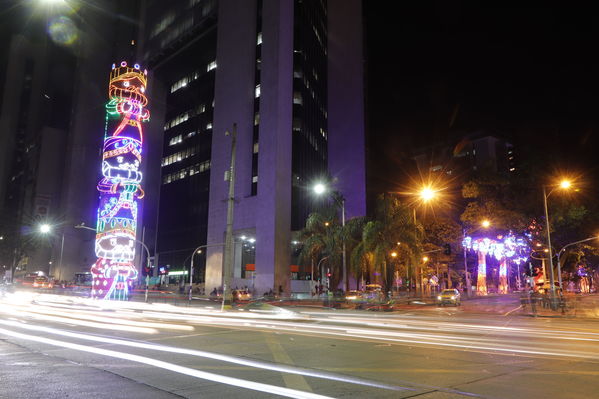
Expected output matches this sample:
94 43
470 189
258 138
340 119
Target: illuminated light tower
120 187
505 249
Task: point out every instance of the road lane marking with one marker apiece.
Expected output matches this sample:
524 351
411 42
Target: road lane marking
295 381
215 356
256 386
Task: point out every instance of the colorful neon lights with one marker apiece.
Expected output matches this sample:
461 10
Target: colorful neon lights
120 187
504 249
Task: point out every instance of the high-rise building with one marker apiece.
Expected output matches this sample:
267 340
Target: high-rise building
34 119
475 152
288 74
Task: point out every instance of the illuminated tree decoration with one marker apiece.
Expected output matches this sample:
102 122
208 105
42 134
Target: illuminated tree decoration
120 186
505 249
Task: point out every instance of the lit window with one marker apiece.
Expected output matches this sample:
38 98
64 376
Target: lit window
297 98
211 66
259 39
257 91
209 125
255 148
256 118
254 179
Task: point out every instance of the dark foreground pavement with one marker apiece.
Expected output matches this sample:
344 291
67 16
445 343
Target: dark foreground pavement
29 374
81 350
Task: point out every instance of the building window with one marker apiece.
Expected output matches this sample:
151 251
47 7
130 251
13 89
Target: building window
257 91
209 126
188 171
175 140
254 179
177 120
259 39
297 98
211 66
255 148
256 118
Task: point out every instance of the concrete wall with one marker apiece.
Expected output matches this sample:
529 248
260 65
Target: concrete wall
268 212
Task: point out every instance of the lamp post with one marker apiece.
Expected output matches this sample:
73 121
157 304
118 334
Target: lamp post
45 228
564 185
198 250
559 253
426 194
228 252
319 189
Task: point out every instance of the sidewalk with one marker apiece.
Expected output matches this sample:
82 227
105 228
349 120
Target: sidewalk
28 374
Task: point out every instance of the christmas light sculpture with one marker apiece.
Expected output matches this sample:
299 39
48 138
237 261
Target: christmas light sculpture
120 187
505 249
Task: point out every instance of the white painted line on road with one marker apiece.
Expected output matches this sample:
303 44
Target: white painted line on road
256 386
214 356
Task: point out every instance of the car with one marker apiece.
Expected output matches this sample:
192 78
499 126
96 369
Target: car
43 282
241 295
353 295
449 296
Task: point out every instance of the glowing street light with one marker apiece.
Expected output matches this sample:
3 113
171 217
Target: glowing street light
564 184
485 223
425 259
319 188
45 228
427 194
394 254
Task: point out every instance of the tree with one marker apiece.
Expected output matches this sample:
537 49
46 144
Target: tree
393 224
322 238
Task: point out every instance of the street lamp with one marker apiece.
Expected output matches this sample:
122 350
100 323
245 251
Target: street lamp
45 228
564 184
427 194
319 189
559 269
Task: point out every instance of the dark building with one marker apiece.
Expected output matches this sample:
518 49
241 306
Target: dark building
34 119
476 152
288 74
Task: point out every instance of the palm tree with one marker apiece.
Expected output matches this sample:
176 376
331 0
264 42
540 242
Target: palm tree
322 238
393 224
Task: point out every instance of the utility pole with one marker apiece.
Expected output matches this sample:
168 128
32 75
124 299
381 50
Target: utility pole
550 252
466 275
228 255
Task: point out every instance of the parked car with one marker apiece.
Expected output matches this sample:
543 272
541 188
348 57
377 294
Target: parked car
449 296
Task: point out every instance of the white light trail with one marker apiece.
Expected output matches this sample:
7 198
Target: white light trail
256 386
210 355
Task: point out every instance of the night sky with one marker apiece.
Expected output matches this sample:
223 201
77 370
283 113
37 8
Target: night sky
439 70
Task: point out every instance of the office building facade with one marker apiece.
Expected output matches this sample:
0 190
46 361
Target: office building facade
288 75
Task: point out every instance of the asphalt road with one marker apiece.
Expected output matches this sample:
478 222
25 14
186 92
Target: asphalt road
65 347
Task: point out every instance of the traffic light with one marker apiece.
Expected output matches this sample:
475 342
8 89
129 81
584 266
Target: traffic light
447 250
146 271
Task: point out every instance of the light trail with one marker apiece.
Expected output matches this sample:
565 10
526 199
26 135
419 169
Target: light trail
210 355
256 386
401 330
